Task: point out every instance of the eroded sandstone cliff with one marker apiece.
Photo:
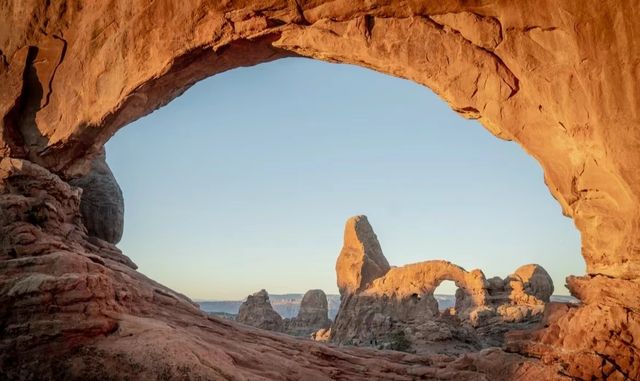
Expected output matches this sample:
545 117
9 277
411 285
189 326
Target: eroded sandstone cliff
558 77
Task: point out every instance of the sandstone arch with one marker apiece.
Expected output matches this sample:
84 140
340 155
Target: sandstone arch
426 277
560 78
398 308
443 47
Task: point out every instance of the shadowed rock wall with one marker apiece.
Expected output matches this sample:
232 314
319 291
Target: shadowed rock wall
102 203
257 311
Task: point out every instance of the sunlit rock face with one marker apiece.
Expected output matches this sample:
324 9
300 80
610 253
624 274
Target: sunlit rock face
559 78
257 311
361 259
401 303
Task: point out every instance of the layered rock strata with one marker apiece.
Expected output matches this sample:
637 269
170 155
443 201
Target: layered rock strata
557 77
75 308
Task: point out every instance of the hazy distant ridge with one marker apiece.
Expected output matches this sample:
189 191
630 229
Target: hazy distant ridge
287 305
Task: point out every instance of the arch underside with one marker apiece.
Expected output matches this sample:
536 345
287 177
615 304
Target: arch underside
558 78
426 277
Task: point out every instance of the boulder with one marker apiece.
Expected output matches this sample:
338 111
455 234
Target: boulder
101 203
559 78
322 335
530 284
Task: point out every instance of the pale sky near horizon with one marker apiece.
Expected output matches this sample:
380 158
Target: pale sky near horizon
245 182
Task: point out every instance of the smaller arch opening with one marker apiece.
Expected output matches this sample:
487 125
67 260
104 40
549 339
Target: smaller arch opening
445 295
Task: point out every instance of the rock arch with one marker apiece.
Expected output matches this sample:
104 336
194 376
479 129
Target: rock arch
426 277
558 78
401 301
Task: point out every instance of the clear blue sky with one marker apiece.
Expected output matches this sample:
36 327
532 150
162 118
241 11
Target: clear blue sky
246 180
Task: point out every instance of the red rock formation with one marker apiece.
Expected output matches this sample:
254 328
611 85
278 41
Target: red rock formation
558 77
361 260
312 316
399 305
257 312
530 284
74 308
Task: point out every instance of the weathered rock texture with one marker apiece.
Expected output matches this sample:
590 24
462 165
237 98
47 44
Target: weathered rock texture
257 311
101 204
558 77
312 316
530 284
74 308
322 335
399 304
361 260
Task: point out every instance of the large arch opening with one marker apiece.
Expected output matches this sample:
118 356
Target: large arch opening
438 186
445 295
494 62
338 141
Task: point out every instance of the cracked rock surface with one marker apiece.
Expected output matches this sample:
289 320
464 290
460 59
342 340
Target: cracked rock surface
558 77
